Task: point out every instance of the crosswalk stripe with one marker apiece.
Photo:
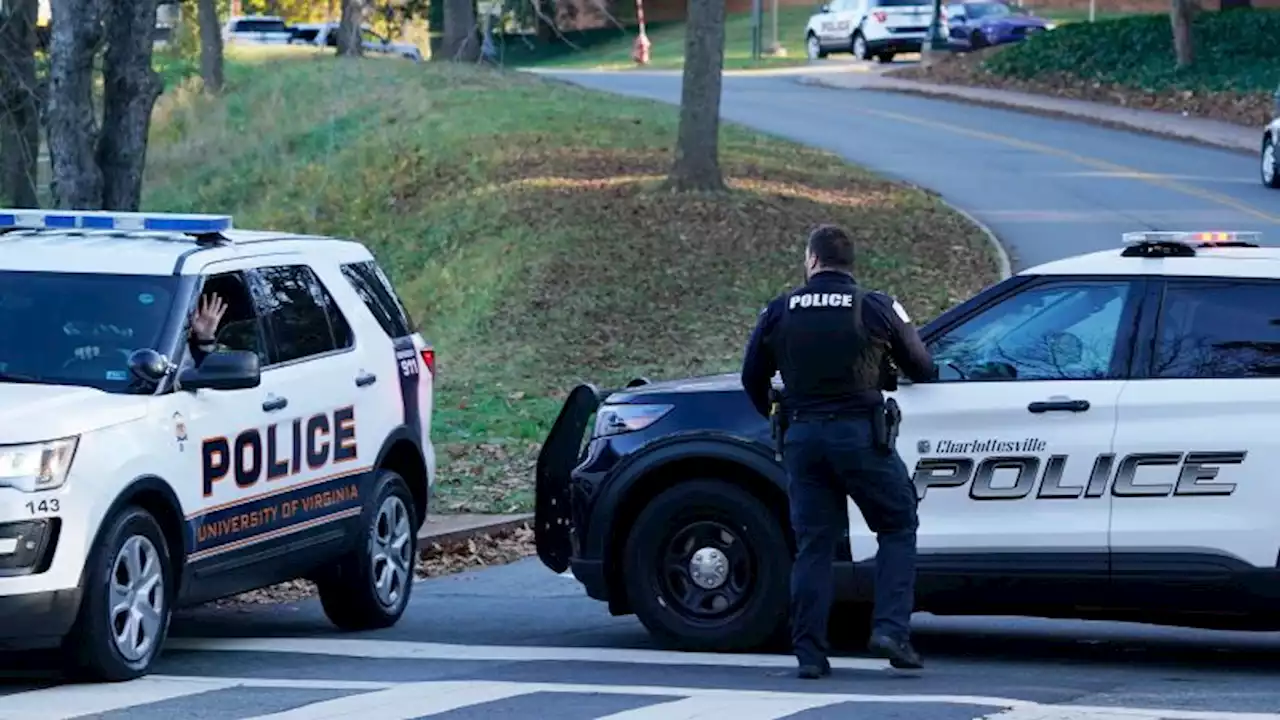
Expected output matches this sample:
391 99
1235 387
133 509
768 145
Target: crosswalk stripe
403 702
69 701
706 706
399 649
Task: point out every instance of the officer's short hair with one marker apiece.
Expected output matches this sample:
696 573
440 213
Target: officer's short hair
832 247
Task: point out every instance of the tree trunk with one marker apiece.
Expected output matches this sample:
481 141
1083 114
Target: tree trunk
461 42
1180 13
349 32
19 105
697 163
210 46
544 21
72 125
130 89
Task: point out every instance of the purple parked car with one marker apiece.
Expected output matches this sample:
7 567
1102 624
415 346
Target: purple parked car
974 25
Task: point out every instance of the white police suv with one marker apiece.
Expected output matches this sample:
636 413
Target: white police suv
138 474
1099 444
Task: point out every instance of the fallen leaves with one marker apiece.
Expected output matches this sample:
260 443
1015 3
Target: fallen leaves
434 560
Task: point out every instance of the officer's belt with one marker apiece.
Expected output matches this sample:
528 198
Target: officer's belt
830 415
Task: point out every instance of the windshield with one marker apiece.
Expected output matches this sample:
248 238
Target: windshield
987 10
79 328
272 26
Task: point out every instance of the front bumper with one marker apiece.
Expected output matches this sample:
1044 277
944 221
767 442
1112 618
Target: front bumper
37 620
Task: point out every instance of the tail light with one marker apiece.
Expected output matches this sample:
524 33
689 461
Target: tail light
880 16
429 359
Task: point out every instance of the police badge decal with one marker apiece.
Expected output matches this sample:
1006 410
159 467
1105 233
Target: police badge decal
179 430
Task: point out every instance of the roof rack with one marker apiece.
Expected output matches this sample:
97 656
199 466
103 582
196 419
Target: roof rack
205 229
1176 243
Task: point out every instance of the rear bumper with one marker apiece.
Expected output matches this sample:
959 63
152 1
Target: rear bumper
905 44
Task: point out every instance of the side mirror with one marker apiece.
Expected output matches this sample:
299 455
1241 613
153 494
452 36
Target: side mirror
149 366
824 8
227 370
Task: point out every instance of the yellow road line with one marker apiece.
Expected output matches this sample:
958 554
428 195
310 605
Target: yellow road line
1151 178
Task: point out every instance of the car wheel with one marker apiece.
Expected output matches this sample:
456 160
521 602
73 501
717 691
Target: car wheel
859 47
124 613
369 588
707 568
813 47
977 41
1270 177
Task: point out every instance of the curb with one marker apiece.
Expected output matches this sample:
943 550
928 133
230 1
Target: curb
428 535
943 92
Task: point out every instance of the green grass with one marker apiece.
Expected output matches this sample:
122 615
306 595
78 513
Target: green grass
1236 51
667 45
524 224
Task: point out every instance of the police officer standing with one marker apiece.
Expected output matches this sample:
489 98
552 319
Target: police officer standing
832 341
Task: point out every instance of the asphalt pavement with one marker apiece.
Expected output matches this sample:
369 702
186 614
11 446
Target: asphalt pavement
521 641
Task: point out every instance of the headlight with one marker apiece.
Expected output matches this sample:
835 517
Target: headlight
38 466
618 419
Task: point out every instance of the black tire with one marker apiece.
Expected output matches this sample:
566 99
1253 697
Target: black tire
813 47
758 567
865 53
885 58
349 592
90 649
850 625
977 40
1269 163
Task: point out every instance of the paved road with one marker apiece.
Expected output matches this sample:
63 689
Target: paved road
1047 187
519 641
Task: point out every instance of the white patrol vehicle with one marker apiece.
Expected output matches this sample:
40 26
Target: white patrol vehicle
134 479
257 30
326 35
868 28
1100 443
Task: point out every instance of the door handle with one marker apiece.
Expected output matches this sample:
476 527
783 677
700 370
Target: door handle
273 404
366 379
1044 406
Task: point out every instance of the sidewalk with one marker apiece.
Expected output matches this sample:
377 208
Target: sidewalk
463 526
1209 132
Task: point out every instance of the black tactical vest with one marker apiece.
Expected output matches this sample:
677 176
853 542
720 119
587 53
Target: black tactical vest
828 359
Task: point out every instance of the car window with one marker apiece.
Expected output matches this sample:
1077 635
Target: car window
1059 331
241 327
366 280
1211 329
987 10
298 313
902 3
80 328
257 26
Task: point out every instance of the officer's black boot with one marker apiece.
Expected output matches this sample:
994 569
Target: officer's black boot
899 652
813 672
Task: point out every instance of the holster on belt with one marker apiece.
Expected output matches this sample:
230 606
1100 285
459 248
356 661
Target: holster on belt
885 422
777 423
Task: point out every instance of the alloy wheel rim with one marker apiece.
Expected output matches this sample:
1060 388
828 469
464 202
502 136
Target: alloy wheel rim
391 551
135 607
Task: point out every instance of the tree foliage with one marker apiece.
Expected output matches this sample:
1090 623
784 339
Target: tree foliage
19 104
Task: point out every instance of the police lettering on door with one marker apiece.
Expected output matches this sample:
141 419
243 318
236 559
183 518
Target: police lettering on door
279 451
1165 473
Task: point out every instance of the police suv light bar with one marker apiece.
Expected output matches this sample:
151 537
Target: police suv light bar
123 221
1201 239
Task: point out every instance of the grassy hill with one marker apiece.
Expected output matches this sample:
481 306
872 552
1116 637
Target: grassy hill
524 224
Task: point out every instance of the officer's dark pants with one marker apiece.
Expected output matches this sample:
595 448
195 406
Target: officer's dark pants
827 460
